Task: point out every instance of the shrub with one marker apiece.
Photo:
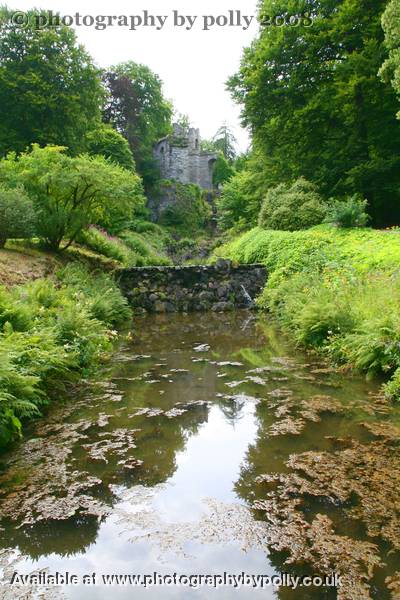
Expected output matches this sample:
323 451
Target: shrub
298 206
16 215
186 210
348 213
149 253
70 193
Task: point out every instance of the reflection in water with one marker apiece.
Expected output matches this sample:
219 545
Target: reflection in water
198 420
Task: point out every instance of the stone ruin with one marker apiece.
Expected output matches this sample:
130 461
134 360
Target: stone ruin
180 158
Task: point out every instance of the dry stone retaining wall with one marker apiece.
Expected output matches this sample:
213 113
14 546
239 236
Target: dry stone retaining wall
218 287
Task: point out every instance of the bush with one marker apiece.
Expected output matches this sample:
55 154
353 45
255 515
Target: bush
348 213
292 208
186 210
148 253
16 215
70 193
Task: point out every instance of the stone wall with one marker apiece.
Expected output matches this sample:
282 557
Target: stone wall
217 287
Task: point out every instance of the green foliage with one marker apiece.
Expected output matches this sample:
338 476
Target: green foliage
291 208
50 90
239 204
312 97
49 334
224 141
16 215
131 249
390 70
348 213
102 296
103 243
150 249
136 107
186 210
336 290
112 145
223 171
70 193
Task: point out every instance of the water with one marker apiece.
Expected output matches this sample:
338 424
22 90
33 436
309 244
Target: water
163 466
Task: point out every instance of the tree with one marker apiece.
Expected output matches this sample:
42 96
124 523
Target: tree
390 71
50 90
71 193
107 142
316 107
223 171
238 206
225 141
16 215
136 107
183 120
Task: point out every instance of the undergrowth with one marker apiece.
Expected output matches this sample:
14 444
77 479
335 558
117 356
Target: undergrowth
337 291
52 333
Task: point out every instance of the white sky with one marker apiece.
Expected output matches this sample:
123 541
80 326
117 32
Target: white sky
193 65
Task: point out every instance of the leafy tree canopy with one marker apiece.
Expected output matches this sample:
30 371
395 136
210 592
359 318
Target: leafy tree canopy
223 171
316 106
225 142
136 107
50 90
70 193
390 70
107 142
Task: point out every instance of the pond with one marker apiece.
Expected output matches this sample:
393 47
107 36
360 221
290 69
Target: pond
210 445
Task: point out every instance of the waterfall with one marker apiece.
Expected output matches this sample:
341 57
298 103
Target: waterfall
247 296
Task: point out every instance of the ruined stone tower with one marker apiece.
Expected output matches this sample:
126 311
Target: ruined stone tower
180 158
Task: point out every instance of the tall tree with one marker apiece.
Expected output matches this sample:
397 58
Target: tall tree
390 70
136 107
225 141
317 108
107 142
50 90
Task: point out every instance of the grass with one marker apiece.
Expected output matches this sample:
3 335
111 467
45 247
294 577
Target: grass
338 291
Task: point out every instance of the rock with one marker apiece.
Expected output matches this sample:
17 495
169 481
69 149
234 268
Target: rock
222 306
223 264
160 307
192 288
206 295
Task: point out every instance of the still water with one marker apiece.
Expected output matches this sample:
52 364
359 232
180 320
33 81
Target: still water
209 445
